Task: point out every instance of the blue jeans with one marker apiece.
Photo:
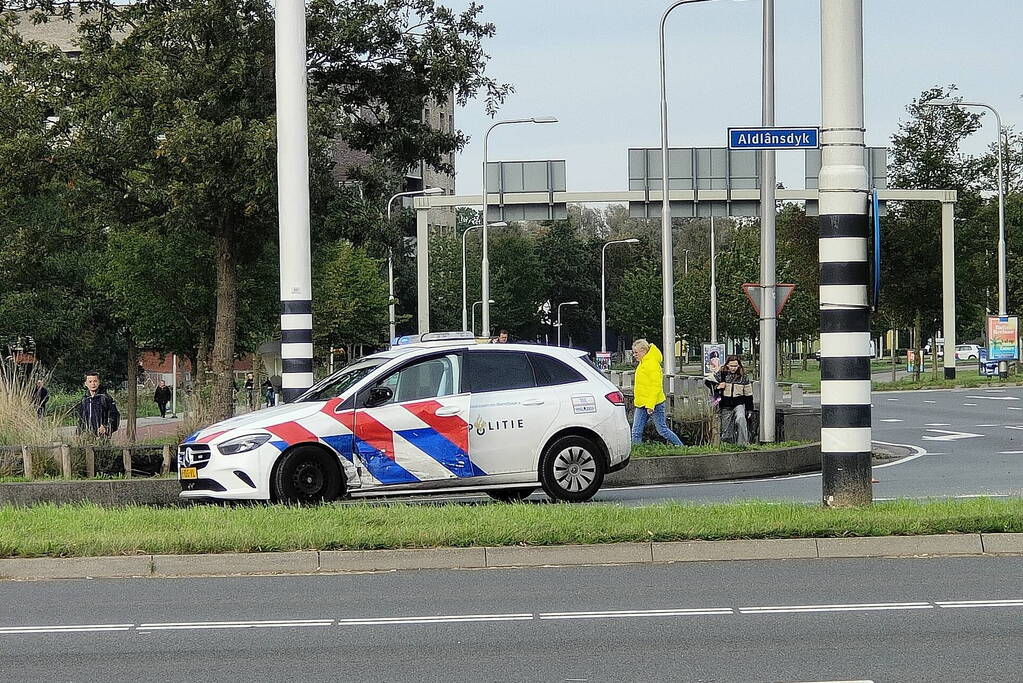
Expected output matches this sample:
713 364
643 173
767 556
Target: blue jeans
639 420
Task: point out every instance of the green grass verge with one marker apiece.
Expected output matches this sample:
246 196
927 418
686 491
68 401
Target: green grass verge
91 530
656 450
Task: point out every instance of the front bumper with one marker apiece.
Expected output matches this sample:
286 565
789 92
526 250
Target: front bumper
227 477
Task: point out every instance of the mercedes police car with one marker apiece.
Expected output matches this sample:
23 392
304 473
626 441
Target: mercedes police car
439 414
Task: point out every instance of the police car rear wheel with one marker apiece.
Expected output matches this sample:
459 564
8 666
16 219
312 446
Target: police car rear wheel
511 495
307 475
572 469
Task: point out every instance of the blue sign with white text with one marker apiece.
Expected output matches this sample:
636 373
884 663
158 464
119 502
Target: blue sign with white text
773 138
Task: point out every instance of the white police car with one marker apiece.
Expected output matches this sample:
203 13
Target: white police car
442 414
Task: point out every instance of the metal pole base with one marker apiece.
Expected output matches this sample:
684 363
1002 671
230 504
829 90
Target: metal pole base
846 478
950 373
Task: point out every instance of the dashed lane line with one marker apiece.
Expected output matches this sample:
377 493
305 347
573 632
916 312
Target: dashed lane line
999 603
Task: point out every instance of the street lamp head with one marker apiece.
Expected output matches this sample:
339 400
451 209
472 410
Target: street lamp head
632 240
544 119
940 102
433 190
498 224
569 303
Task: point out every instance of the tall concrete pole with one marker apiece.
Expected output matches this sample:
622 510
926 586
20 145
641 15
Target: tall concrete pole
768 314
845 316
948 287
293 200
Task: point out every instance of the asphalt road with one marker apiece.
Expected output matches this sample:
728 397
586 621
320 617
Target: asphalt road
938 619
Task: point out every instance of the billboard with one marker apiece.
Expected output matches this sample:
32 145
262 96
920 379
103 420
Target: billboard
1002 337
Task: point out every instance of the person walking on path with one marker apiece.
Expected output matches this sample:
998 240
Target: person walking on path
97 412
649 393
40 397
162 396
736 391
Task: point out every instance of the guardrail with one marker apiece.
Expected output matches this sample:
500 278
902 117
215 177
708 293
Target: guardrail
73 459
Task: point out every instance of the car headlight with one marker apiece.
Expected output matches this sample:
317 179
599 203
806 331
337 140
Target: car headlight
243 443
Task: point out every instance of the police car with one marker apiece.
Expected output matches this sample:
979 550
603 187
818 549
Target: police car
440 414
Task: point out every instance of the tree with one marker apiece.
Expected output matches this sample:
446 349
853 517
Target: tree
167 114
351 298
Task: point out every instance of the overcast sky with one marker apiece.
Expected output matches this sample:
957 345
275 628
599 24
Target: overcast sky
593 65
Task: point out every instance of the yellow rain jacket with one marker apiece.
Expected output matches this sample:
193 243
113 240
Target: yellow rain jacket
649 388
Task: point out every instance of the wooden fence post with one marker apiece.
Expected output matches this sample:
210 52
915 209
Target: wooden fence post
126 456
90 462
165 467
65 460
26 461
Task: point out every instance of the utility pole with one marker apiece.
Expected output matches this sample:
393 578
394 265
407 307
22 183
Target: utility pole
845 316
768 309
293 200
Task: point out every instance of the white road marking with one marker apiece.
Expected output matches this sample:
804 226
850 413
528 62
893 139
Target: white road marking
1010 452
950 436
867 607
206 625
997 398
81 628
930 401
891 399
891 419
985 425
618 614
1014 408
438 619
937 424
969 404
1012 427
981 603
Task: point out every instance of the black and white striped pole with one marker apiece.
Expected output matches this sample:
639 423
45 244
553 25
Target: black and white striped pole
293 200
845 316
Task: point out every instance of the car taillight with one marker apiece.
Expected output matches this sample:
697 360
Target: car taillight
616 398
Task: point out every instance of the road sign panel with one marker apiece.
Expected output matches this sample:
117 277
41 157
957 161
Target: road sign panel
773 138
755 294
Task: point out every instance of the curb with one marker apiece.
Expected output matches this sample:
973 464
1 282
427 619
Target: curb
341 561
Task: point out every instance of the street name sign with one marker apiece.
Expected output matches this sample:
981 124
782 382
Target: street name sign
773 138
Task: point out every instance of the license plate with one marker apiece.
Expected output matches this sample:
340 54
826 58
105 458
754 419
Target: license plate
188 473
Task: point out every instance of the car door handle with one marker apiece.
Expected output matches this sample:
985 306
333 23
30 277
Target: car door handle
448 411
533 402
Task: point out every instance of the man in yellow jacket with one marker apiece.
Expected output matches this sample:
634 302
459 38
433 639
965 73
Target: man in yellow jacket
649 393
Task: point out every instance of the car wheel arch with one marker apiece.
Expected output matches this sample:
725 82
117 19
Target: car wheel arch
584 432
334 459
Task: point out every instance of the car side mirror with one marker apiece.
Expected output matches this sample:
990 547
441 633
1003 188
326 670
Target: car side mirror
378 396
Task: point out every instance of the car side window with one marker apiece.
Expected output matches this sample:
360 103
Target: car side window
551 371
498 371
428 378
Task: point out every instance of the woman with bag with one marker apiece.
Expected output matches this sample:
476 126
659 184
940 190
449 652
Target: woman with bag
736 391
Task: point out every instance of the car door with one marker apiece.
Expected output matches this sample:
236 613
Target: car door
510 415
411 426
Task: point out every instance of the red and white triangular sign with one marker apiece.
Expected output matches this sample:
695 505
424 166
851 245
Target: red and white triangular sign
755 294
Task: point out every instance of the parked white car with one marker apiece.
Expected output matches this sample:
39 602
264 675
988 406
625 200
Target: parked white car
967 352
440 415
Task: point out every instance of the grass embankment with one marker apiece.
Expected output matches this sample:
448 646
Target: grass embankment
90 530
655 450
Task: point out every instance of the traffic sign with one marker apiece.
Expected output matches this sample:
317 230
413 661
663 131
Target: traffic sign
755 294
773 138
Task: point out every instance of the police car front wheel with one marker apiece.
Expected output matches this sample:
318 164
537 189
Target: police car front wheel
307 475
572 469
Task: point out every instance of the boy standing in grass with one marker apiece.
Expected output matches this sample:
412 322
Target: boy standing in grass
96 410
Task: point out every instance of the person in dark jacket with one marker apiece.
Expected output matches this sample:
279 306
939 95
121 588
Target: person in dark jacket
736 391
162 396
95 412
269 393
40 397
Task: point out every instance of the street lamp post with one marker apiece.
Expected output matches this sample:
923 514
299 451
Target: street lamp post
667 270
558 324
685 267
474 305
713 287
1003 367
485 265
603 295
465 301
390 259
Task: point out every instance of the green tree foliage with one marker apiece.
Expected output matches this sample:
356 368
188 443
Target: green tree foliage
351 298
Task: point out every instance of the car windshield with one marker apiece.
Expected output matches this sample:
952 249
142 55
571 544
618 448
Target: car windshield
341 381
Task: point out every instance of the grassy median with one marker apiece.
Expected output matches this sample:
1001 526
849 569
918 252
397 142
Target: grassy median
89 530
